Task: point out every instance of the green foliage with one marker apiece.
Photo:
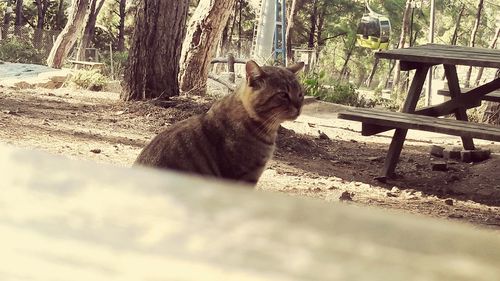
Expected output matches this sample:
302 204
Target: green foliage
119 63
336 92
312 84
19 50
88 79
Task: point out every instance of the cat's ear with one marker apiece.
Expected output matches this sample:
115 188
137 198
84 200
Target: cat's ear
295 67
253 71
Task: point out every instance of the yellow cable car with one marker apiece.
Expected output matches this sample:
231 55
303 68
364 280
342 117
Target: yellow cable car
374 31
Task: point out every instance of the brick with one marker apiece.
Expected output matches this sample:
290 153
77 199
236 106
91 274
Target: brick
466 156
451 154
480 155
439 166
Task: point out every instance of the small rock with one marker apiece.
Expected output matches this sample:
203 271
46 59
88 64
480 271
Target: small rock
439 166
419 166
382 179
311 125
456 216
346 196
449 202
395 189
323 136
453 178
376 159
96 150
390 194
437 151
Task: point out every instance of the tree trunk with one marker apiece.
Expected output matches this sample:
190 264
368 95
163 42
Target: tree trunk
372 73
289 29
312 21
321 21
491 46
42 6
344 69
89 30
240 10
153 64
472 42
19 17
5 25
402 40
454 38
121 26
68 36
60 15
205 30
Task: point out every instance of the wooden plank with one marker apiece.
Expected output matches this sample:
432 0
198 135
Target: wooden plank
400 134
90 63
493 96
424 123
452 77
383 115
441 54
470 99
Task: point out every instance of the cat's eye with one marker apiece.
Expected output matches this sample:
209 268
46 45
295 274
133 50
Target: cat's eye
283 95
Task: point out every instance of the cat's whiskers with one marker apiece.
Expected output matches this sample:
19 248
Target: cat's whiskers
268 125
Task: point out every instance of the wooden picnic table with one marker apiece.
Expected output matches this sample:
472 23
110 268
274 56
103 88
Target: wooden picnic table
421 59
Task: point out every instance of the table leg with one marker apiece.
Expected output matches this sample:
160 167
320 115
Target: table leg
400 134
460 113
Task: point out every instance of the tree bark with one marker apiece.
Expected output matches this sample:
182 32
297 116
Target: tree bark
402 40
89 30
42 6
121 26
372 73
472 42
454 38
6 25
491 46
68 36
19 17
344 69
205 30
153 64
312 21
60 15
289 29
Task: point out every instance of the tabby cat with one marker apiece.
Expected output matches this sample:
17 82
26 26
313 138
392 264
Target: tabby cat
236 137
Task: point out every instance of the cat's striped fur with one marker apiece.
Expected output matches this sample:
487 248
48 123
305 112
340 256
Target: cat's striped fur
236 137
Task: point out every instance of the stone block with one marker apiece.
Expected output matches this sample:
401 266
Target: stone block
437 151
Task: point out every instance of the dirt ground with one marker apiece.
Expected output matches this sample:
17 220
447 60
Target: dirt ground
339 165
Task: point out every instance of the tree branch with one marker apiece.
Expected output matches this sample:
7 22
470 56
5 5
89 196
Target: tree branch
335 36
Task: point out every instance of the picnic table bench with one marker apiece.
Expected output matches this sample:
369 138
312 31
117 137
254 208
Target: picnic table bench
92 65
421 59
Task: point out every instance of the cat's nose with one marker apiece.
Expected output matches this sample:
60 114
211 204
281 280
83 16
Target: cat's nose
297 102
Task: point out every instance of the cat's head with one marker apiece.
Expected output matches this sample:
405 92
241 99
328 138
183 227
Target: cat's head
272 94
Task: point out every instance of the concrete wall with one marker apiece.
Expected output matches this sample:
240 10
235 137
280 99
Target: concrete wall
72 220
